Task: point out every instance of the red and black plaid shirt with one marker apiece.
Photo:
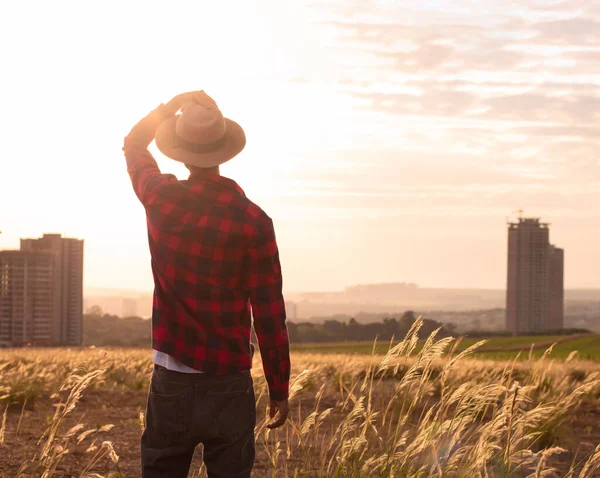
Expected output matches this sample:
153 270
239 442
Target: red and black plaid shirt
214 258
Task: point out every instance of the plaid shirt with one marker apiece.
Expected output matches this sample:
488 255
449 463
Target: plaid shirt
214 259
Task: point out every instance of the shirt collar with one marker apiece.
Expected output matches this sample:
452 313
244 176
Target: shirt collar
222 181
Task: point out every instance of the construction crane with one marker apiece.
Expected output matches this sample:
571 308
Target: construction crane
520 215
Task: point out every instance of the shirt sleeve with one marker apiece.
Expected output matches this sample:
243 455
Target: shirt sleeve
148 182
268 310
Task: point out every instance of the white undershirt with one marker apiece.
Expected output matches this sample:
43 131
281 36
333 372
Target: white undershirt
171 363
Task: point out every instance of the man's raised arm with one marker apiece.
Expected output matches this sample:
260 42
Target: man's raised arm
145 175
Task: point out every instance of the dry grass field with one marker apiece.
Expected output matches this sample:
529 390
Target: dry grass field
423 411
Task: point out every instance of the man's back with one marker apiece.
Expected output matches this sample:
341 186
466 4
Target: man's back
205 237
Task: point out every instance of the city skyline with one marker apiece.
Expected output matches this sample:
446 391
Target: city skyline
141 291
388 142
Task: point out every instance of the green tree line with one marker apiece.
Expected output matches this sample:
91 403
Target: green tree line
111 330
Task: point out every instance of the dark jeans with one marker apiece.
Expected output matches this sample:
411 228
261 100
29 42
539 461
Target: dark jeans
185 409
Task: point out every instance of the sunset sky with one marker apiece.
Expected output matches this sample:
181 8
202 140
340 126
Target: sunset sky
388 140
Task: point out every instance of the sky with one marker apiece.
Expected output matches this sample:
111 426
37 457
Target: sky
388 140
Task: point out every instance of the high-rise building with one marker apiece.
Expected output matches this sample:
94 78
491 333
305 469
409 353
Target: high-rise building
26 298
534 295
67 285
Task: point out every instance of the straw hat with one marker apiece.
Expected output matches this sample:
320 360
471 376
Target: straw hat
200 135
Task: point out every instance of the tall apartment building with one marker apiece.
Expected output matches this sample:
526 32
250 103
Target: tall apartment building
26 298
67 285
534 295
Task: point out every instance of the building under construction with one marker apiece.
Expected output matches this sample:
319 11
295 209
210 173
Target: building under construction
41 292
535 282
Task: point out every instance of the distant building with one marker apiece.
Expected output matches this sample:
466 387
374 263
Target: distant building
41 288
129 307
26 298
290 310
534 295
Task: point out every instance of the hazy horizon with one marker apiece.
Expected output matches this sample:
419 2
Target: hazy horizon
96 289
388 141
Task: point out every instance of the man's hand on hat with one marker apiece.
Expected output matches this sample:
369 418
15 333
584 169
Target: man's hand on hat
173 106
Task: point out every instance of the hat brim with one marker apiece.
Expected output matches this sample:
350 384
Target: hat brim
234 144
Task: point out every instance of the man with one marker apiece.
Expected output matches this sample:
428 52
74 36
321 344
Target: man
214 260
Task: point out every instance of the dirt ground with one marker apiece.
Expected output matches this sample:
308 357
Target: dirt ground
122 409
95 409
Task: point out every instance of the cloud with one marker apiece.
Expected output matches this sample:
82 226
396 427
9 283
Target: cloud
479 107
571 31
431 101
543 107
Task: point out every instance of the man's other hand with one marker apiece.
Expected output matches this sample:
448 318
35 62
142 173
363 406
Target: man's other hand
282 409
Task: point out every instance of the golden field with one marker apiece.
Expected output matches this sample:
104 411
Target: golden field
423 409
